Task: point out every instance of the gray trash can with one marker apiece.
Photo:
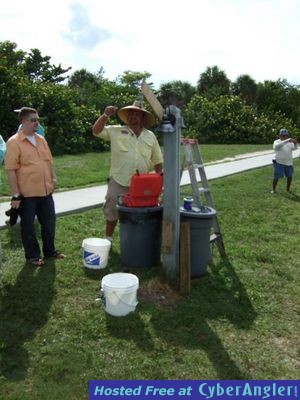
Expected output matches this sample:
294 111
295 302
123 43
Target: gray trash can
201 220
140 235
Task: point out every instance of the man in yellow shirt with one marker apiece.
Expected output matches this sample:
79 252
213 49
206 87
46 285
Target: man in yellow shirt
32 180
133 147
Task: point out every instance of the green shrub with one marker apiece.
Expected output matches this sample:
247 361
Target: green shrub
228 119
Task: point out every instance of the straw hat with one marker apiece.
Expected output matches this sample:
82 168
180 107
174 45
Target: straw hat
148 120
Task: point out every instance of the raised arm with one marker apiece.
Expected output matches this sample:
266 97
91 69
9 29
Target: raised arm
102 120
278 144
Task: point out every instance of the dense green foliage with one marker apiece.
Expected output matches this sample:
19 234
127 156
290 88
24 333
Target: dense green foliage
213 83
215 111
228 119
67 111
176 92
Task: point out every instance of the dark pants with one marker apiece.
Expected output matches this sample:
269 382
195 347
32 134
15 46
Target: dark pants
43 208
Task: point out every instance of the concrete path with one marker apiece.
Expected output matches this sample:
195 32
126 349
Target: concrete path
79 200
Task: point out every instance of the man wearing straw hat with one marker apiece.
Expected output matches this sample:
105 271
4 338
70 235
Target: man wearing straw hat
133 147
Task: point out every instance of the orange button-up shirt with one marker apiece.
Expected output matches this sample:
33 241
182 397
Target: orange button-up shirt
32 164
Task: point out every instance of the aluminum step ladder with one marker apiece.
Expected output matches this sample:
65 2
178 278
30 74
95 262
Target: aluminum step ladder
192 160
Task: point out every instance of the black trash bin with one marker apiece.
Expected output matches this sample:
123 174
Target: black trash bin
140 235
201 220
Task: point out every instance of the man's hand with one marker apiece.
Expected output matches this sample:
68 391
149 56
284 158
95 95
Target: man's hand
15 204
110 111
102 120
293 141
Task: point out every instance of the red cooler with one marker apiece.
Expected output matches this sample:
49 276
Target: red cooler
144 190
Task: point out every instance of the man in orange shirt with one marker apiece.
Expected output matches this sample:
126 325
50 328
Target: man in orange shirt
32 179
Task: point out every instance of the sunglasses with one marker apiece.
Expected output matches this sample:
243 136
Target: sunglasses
34 119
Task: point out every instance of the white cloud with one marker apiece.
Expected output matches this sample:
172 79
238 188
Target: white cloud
170 39
82 32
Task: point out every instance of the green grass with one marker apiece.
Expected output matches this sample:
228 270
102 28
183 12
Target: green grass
90 169
213 152
241 320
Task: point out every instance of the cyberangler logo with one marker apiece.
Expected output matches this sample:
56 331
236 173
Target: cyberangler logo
246 390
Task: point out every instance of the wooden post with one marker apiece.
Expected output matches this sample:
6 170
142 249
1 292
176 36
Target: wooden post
167 236
185 258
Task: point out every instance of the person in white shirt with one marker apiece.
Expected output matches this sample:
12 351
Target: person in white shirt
283 162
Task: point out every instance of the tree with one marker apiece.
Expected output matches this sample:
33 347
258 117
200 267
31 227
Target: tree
127 88
86 84
69 125
38 68
14 86
213 83
246 88
274 96
10 57
18 73
132 80
81 77
178 93
32 65
228 119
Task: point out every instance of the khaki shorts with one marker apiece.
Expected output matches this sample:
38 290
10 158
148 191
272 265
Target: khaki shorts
109 209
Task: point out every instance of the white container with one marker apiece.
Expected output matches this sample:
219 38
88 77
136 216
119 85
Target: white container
95 252
120 292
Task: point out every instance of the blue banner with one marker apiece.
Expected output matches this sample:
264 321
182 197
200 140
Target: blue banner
194 390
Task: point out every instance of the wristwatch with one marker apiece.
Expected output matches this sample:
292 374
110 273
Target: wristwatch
16 196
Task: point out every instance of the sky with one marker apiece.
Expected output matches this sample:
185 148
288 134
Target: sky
172 40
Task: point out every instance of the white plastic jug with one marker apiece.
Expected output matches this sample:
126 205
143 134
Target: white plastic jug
120 292
95 252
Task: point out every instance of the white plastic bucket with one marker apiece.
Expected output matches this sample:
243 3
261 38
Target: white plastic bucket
95 252
120 292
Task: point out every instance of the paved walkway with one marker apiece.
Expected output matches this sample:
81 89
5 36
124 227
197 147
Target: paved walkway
79 200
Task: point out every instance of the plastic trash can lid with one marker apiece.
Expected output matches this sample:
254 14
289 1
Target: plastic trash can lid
198 212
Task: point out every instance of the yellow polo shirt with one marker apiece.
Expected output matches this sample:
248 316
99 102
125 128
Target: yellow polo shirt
32 164
130 153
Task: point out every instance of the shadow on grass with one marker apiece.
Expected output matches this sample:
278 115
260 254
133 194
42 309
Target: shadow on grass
14 235
24 308
293 197
188 322
131 328
218 295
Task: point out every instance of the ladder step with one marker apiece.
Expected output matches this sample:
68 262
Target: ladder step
214 237
203 190
193 160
